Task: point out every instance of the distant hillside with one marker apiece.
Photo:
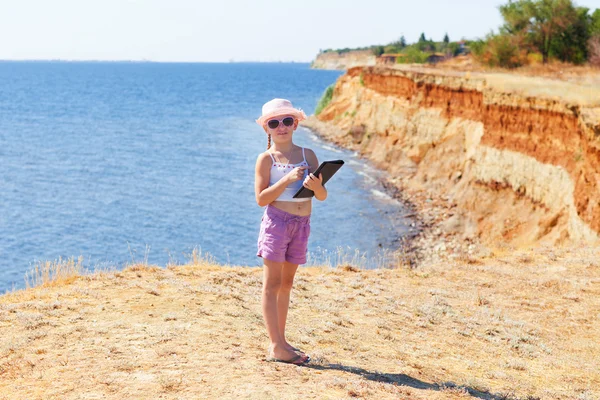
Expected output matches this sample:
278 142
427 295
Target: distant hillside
343 59
399 52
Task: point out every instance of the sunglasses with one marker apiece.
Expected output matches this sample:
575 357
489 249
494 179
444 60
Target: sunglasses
274 123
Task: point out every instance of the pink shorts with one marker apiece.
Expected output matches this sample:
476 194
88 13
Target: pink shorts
283 236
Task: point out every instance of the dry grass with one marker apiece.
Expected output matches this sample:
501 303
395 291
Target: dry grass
555 81
516 325
585 91
554 69
47 272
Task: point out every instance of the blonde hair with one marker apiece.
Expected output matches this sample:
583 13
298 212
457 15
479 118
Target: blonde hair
269 142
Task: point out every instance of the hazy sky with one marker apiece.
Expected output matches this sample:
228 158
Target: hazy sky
224 30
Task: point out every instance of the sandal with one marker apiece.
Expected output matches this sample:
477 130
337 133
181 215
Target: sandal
298 360
302 353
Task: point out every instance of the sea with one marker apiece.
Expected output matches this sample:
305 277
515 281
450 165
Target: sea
116 163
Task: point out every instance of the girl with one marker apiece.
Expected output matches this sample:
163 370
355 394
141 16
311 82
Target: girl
280 172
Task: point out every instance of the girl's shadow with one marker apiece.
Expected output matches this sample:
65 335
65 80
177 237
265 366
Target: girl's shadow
403 380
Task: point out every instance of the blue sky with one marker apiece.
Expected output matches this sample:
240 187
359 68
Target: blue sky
224 30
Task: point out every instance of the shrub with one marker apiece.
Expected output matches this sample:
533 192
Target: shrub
535 58
413 56
325 99
501 51
391 49
453 49
478 47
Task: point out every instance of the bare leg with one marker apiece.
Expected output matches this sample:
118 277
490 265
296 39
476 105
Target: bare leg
288 271
271 287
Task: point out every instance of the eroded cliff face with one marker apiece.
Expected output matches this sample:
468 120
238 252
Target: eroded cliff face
521 169
350 59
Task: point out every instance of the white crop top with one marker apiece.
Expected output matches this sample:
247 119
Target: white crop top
279 170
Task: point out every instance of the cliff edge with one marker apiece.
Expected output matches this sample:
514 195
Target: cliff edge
517 159
522 325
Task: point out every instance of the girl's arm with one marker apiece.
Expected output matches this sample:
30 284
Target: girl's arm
312 182
265 194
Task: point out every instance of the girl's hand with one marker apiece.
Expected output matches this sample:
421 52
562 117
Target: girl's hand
296 174
313 182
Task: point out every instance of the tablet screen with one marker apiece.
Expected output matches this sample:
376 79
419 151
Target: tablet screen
327 169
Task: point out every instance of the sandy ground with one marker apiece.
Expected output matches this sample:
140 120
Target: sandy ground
518 324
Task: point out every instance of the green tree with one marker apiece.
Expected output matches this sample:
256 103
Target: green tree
425 45
546 26
571 43
378 50
595 23
516 17
446 39
400 43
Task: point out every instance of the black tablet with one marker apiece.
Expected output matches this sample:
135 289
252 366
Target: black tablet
328 169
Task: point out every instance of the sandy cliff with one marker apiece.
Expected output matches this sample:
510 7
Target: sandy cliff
335 60
519 158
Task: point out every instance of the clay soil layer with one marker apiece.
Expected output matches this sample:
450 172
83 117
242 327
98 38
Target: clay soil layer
536 130
517 158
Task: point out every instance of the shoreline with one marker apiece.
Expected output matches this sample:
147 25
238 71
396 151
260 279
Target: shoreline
433 236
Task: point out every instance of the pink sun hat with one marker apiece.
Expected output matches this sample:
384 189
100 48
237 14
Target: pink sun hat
277 107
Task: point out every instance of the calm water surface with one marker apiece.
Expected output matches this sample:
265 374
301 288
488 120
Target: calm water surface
129 162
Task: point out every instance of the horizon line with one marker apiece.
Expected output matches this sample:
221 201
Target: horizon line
149 61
